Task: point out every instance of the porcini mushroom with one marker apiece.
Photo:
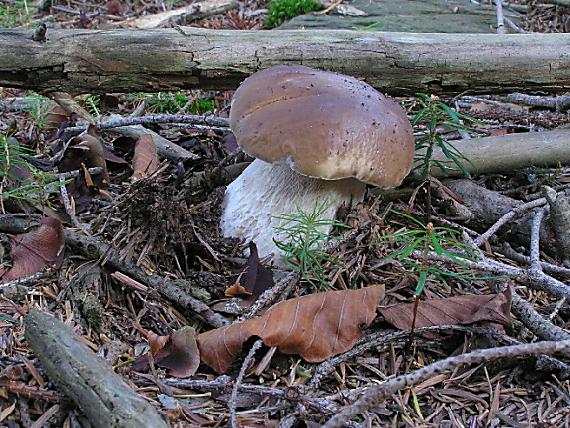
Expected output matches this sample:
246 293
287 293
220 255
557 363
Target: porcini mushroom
316 136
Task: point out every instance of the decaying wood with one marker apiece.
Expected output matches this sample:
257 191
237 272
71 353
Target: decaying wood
488 206
510 152
182 15
103 395
560 220
79 61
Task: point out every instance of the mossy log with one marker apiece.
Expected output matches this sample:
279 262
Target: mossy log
98 61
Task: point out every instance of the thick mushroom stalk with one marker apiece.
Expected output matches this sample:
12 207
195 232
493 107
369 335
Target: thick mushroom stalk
254 202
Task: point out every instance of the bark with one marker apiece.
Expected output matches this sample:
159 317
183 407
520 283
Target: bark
100 61
105 398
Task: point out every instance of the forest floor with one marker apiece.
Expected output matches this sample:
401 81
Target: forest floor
140 258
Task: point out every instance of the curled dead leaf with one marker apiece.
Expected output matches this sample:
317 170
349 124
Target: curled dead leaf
145 158
36 250
236 289
89 151
177 352
451 310
156 342
316 327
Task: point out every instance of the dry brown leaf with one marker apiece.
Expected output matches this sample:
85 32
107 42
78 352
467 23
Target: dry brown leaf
236 289
316 327
35 250
156 342
90 151
177 352
145 158
452 310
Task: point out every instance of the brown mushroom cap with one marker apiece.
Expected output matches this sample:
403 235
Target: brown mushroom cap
323 125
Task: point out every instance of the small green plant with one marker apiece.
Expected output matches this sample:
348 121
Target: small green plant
92 102
303 240
20 180
15 13
433 114
426 238
172 103
201 106
282 10
38 108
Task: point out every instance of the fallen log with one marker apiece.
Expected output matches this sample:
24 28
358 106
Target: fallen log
79 61
507 153
105 398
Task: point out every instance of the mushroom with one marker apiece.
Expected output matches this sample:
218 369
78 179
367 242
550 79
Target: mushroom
316 136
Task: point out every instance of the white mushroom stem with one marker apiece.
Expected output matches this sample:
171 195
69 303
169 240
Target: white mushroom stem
263 192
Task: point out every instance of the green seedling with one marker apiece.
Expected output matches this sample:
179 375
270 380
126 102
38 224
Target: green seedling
303 240
92 102
31 184
425 238
432 113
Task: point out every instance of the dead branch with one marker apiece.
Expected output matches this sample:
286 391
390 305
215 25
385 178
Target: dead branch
383 340
375 395
79 61
509 152
103 395
233 398
206 120
560 221
540 282
535 322
508 251
488 206
558 102
512 214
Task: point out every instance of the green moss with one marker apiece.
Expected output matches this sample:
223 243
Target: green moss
282 10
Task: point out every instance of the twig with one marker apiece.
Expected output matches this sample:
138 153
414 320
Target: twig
26 281
193 119
541 282
516 212
500 18
328 9
375 395
559 102
67 204
384 340
76 173
270 296
515 27
508 251
535 268
95 248
222 383
237 383
536 323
